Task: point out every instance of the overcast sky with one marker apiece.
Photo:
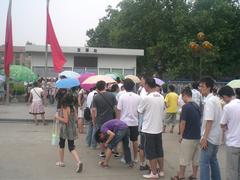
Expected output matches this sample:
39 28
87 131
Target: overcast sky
71 19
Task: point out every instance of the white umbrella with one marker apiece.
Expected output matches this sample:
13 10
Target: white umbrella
95 79
134 78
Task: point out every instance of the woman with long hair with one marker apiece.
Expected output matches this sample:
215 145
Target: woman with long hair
68 131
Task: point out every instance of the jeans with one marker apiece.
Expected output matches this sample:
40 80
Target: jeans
122 135
90 139
209 162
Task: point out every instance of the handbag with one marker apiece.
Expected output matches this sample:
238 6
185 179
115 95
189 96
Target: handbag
87 114
113 113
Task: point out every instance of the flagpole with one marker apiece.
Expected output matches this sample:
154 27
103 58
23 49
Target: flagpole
46 50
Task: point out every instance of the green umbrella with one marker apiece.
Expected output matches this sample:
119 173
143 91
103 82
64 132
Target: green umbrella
115 75
22 73
234 83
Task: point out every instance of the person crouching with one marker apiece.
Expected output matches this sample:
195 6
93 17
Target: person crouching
111 133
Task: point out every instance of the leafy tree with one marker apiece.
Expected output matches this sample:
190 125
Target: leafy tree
164 28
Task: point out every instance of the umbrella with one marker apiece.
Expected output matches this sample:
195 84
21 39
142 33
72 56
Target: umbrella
22 73
67 83
115 76
69 74
234 83
159 81
95 79
83 77
134 78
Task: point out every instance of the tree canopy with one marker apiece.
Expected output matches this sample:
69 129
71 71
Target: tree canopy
164 29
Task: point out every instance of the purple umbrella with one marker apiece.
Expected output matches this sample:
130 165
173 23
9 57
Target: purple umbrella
159 81
83 77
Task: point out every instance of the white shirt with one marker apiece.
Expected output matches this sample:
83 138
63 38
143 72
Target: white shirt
90 98
128 105
196 96
119 94
231 117
152 107
212 112
143 92
36 93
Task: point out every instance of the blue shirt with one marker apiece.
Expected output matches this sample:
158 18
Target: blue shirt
191 114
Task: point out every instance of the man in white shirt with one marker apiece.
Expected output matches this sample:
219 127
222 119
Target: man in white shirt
152 108
210 132
196 95
230 124
127 112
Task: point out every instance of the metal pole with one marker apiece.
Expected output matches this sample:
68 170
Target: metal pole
46 53
200 68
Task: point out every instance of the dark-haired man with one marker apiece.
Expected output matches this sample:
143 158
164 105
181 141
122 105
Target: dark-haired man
230 124
190 126
127 110
103 107
152 108
210 132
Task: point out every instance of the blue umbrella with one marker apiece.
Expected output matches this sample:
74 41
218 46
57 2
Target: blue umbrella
67 83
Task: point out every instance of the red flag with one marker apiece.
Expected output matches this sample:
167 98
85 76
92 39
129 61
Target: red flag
8 56
57 55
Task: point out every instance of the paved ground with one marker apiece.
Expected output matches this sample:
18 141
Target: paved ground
26 153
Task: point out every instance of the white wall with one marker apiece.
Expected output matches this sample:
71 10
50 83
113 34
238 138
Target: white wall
38 59
122 62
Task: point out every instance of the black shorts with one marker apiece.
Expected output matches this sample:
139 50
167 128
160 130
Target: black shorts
133 133
153 146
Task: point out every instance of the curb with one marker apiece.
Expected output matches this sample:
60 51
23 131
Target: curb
21 120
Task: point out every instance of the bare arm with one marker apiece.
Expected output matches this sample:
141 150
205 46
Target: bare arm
208 127
64 119
111 136
94 115
118 113
182 128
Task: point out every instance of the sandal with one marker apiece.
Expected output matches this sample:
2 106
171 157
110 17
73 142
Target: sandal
79 167
101 163
177 178
191 177
60 164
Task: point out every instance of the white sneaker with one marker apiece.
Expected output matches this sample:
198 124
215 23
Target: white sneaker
151 176
123 160
161 174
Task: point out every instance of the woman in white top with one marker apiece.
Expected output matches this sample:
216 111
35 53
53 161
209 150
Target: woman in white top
36 95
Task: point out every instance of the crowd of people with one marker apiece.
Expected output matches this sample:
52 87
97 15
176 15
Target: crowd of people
129 121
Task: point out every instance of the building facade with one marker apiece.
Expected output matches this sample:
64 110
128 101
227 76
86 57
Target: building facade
86 59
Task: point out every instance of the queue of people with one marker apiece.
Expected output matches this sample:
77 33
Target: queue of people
121 119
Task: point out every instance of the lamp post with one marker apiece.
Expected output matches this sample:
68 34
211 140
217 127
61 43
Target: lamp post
199 47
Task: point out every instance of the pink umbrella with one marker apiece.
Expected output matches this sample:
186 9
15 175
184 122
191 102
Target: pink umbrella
83 77
159 81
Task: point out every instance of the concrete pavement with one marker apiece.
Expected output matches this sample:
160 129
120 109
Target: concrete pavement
26 152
